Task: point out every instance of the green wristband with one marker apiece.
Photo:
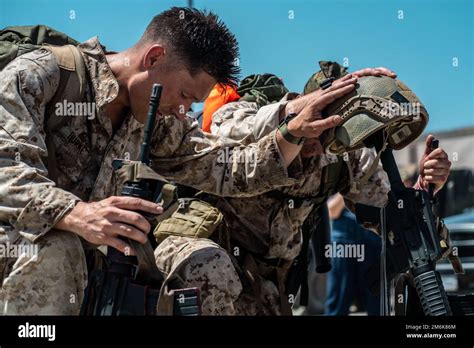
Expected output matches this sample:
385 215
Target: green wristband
283 127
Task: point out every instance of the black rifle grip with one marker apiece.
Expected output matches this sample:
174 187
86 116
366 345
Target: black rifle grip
434 145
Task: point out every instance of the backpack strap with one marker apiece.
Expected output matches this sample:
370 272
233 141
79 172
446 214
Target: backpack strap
71 87
147 270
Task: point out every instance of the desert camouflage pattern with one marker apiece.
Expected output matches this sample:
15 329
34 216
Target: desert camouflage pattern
263 225
204 264
46 278
272 228
377 103
31 204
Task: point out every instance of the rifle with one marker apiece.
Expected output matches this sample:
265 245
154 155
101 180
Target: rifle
132 285
410 239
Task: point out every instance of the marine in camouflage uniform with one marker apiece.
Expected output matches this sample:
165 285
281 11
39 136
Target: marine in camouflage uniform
268 226
52 281
263 225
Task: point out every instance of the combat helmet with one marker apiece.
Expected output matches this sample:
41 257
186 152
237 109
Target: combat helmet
378 103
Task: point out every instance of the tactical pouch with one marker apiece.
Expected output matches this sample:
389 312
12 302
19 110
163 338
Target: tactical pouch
192 218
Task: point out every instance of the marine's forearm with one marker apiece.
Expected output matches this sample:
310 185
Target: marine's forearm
288 150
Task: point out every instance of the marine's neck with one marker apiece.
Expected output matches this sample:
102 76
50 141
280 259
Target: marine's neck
118 109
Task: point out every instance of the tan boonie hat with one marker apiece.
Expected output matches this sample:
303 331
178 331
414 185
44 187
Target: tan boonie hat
377 103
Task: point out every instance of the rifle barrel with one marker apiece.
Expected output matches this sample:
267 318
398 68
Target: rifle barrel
150 122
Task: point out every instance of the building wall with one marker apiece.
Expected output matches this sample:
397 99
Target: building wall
459 145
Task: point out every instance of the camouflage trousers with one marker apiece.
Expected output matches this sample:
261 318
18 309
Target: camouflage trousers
47 277
204 264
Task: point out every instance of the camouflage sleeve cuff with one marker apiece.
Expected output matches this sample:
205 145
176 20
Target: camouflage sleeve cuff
267 119
270 114
294 170
44 211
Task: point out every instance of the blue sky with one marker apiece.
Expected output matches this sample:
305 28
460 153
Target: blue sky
289 37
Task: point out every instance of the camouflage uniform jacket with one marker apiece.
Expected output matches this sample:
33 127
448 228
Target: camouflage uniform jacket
266 225
31 204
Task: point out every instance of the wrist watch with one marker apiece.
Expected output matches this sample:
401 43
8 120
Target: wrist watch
283 127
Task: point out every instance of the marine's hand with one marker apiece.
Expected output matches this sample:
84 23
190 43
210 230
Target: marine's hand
309 122
434 166
104 221
381 71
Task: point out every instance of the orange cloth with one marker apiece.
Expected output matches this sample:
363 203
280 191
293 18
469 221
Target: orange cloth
218 97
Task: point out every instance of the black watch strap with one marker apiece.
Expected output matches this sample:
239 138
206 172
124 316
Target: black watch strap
283 127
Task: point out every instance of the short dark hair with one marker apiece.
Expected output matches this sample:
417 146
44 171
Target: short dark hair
200 39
